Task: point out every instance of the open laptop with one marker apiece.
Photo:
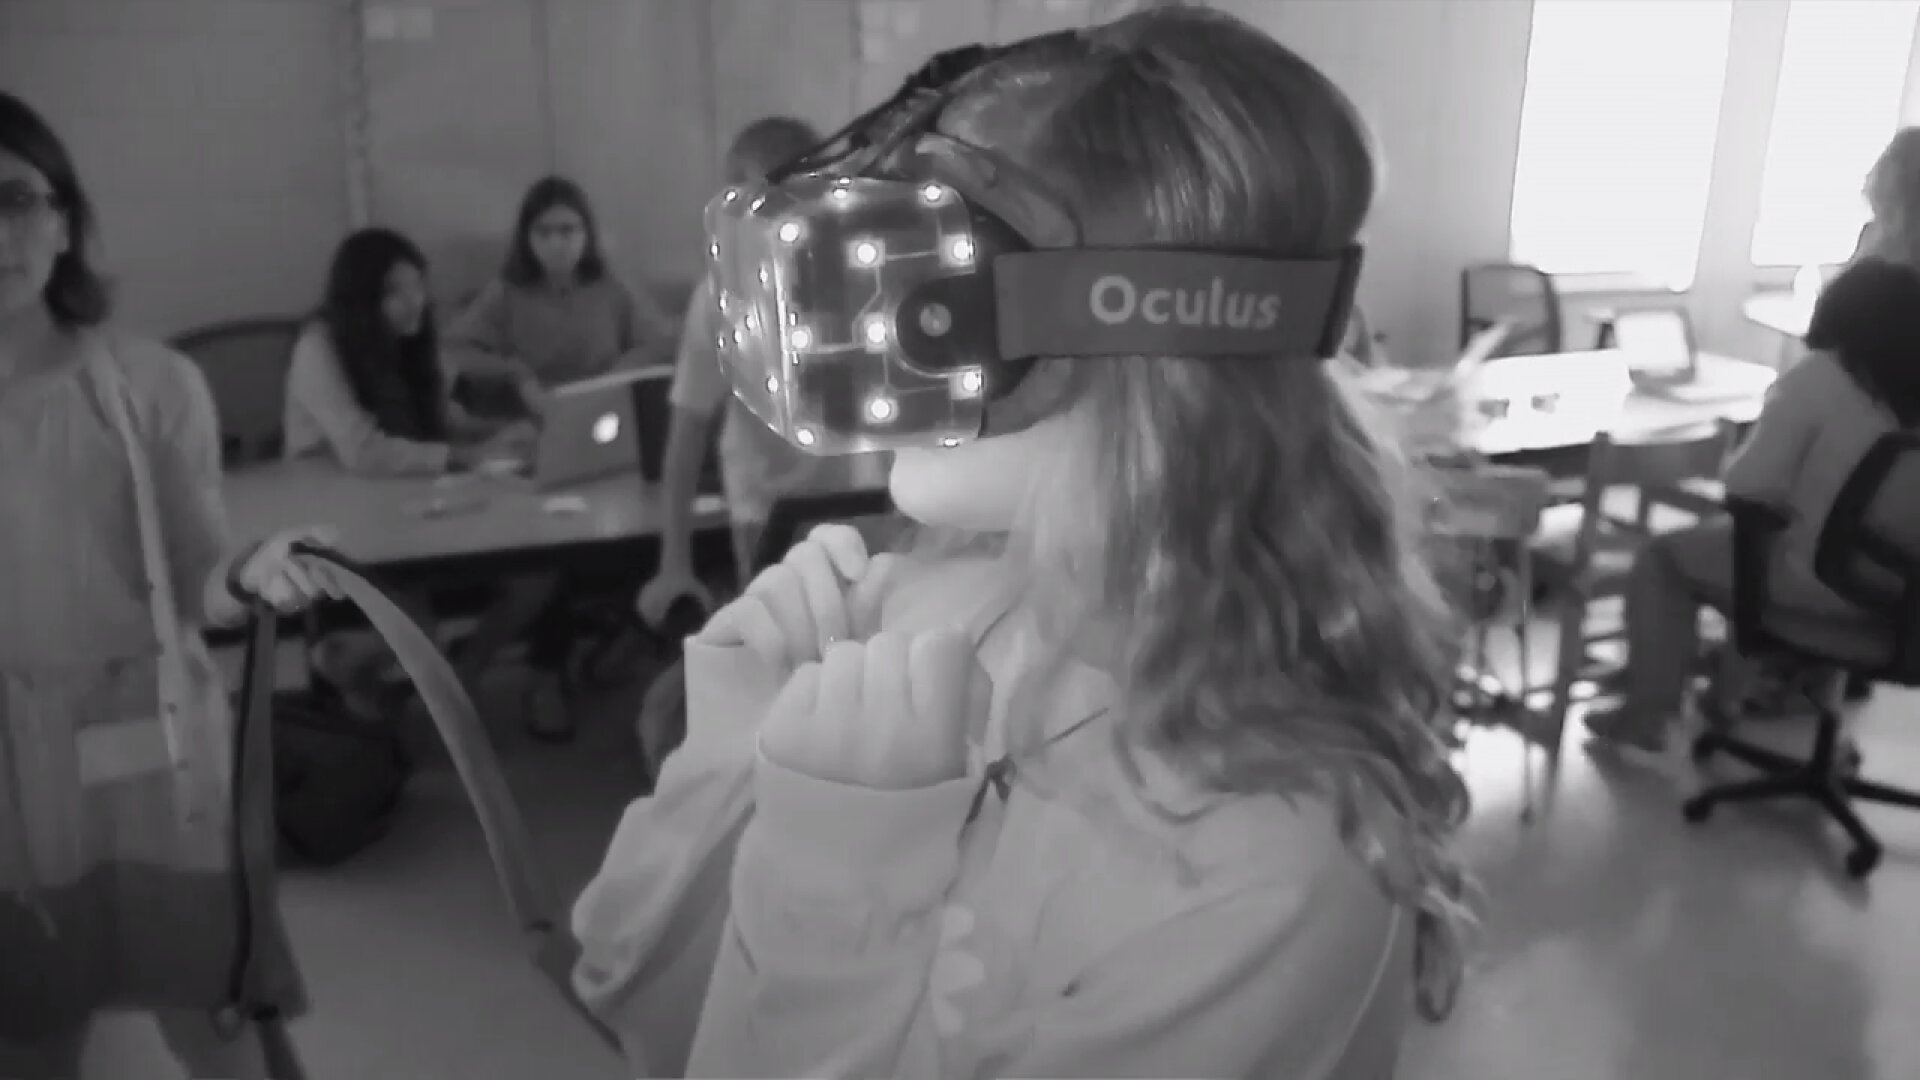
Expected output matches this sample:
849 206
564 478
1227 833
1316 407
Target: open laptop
1664 360
1659 345
590 429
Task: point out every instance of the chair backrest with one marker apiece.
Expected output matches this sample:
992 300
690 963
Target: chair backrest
1516 293
1869 548
1651 462
794 515
245 363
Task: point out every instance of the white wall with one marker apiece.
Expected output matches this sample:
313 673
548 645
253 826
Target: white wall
208 132
213 129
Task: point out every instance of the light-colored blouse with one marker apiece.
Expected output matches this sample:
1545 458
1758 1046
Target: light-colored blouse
1078 922
323 418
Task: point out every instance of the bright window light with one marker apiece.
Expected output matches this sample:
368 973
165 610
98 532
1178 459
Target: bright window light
1617 131
1836 105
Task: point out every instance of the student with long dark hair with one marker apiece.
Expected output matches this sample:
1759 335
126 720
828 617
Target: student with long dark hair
367 385
113 557
367 389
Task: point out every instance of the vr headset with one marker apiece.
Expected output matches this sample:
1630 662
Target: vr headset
890 287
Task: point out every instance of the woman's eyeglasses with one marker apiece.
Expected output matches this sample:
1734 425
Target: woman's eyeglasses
21 204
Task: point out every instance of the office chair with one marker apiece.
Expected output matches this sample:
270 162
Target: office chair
1523 296
245 363
1868 552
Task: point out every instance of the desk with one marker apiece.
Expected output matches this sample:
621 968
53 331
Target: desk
1590 400
381 523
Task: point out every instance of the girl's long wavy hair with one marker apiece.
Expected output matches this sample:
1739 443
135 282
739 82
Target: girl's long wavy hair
1255 540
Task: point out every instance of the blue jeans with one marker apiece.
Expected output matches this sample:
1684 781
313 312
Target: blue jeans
1672 577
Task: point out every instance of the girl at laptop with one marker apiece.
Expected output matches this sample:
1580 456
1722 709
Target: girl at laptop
367 389
556 314
366 385
1181 612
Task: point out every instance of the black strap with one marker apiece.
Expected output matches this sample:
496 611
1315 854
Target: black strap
529 897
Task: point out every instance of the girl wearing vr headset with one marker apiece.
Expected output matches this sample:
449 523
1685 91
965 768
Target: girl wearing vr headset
1127 768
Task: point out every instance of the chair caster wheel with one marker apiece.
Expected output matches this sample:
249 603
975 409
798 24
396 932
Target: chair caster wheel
1861 861
1696 809
1703 749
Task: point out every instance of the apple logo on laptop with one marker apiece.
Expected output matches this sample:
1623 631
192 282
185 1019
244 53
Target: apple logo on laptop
606 429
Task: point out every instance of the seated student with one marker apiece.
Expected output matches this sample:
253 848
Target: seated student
556 314
757 466
366 385
1859 382
367 388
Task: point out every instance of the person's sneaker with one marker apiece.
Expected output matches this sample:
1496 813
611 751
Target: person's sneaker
549 717
1622 729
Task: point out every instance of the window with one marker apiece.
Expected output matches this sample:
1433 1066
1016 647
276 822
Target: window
1617 131
1836 104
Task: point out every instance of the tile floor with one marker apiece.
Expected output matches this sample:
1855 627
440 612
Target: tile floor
1621 943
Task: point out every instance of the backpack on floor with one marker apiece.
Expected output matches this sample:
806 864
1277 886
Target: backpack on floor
337 778
320 752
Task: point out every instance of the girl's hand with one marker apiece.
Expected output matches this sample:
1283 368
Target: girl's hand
826 590
532 394
893 713
289 582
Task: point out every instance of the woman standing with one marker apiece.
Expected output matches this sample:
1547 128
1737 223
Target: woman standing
113 557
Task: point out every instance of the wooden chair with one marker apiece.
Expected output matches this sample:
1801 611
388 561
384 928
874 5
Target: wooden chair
1523 296
1591 560
245 363
1482 515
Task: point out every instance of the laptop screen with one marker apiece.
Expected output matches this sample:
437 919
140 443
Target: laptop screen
1657 342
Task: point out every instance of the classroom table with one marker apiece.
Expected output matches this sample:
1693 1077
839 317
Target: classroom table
1550 408
1590 395
422 523
428 522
